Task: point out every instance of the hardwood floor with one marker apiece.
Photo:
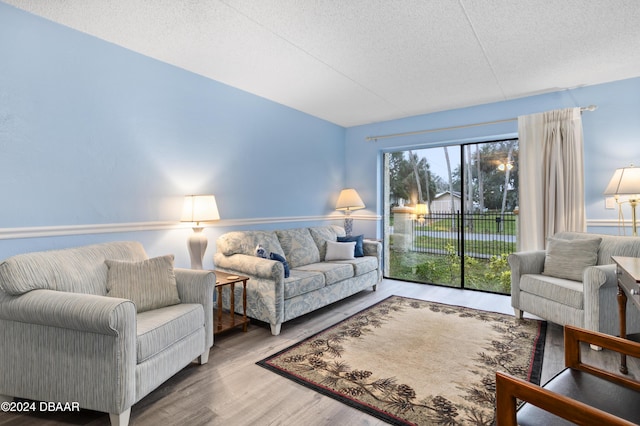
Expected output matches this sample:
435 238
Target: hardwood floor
232 390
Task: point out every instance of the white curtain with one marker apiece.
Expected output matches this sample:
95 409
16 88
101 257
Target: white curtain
551 176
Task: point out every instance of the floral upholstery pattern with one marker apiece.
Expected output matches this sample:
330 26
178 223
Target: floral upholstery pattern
313 283
301 282
322 234
299 248
245 242
333 272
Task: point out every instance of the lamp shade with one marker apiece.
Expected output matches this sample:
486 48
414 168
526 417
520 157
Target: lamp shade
625 181
200 208
349 200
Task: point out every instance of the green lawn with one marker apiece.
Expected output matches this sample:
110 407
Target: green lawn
436 260
490 275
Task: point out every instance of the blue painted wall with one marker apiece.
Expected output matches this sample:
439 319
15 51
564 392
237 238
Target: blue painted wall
611 140
91 133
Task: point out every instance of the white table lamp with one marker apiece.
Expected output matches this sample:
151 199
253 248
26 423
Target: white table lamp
626 181
199 208
349 200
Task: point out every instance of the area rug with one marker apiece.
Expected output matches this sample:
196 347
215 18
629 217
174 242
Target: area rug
414 362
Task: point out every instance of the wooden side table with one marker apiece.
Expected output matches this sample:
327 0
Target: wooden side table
628 271
228 320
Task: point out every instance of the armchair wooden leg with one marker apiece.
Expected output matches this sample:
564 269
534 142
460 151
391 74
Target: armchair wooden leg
518 313
121 419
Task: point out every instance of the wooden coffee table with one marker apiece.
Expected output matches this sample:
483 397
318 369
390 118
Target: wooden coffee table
628 271
227 320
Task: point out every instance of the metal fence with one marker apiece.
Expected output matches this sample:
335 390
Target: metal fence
484 234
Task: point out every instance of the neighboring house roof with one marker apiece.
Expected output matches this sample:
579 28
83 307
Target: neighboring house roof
442 194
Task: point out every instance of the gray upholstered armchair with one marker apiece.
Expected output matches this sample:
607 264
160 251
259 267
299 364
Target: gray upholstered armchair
574 281
101 325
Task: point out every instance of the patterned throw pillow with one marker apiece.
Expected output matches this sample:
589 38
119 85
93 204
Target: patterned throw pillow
298 246
568 258
150 284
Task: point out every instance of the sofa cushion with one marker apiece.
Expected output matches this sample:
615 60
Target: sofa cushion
333 272
359 250
75 270
301 282
322 234
150 284
245 242
159 329
361 265
299 247
566 292
340 251
568 258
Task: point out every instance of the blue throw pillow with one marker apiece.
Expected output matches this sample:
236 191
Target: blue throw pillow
359 251
279 258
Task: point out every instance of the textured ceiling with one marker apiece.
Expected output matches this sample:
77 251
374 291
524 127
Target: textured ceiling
353 62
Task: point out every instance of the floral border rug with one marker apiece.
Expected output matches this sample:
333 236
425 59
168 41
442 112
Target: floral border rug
414 362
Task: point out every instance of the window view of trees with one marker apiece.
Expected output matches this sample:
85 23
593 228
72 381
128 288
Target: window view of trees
468 227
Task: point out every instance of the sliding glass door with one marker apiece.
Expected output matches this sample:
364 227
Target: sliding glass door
450 214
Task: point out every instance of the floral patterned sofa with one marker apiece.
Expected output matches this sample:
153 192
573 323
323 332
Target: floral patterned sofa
322 270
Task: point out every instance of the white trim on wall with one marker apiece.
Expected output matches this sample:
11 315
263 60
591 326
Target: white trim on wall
56 231
609 223
63 230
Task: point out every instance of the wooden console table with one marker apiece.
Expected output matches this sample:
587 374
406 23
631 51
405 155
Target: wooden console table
228 320
628 271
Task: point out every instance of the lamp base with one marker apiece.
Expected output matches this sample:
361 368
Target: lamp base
197 244
634 228
348 225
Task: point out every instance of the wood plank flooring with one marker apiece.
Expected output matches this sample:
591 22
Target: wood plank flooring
231 390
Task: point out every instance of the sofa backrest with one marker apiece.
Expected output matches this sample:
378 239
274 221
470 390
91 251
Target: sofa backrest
245 242
76 270
300 246
322 234
611 245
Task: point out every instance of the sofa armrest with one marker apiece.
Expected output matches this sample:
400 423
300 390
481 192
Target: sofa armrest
78 347
76 311
197 286
595 277
600 284
265 290
251 266
374 248
527 262
522 263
